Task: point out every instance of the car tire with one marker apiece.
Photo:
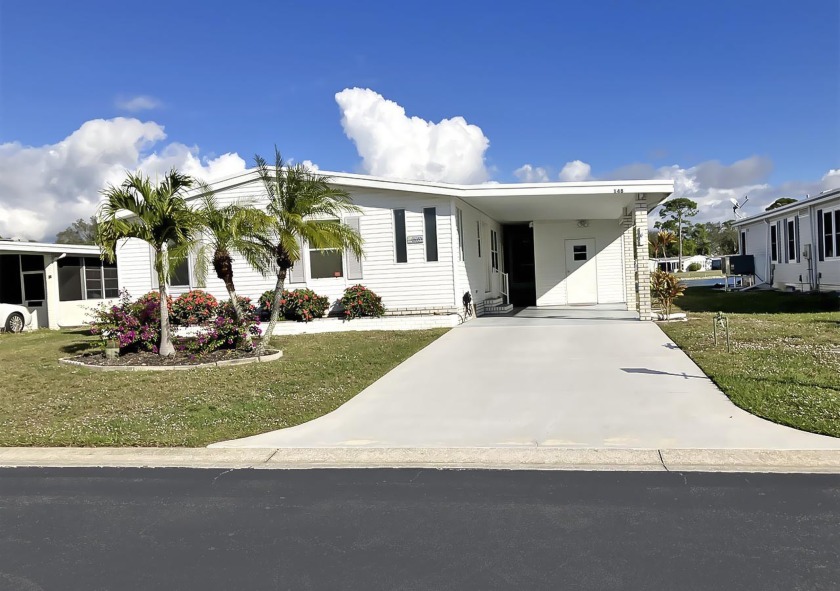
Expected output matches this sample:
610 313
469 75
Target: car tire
15 322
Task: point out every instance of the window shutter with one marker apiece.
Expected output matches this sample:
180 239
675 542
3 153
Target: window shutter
820 237
354 263
797 244
155 283
297 274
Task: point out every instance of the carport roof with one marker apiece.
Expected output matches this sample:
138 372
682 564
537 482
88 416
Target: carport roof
24 247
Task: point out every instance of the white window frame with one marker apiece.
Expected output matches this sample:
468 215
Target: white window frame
459 226
774 255
834 236
101 268
310 250
494 250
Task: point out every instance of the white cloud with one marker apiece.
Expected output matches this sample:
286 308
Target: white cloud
575 171
44 189
531 174
135 104
394 145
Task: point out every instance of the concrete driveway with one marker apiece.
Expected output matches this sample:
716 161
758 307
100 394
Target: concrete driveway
587 378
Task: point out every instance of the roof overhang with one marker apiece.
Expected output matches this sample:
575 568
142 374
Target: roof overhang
21 247
508 203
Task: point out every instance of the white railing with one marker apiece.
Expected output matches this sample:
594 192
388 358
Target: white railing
504 287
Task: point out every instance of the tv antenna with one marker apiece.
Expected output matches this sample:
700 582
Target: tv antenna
736 207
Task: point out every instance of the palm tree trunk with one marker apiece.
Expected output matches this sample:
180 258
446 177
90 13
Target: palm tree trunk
238 312
166 348
275 311
679 224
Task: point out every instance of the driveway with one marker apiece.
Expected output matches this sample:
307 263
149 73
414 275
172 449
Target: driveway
586 378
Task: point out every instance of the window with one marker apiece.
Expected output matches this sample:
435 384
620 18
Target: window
793 240
399 236
743 243
774 244
86 278
325 263
494 250
430 225
829 232
478 234
180 275
579 252
459 224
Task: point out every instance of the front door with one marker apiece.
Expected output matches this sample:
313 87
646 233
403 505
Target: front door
581 272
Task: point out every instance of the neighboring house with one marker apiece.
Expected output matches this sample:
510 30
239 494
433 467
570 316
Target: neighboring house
59 283
672 264
796 246
427 244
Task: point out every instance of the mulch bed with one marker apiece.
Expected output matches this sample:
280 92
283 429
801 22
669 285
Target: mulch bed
146 358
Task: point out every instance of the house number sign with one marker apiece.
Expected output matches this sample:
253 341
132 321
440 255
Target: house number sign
415 239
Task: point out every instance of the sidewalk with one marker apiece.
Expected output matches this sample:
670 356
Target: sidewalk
502 458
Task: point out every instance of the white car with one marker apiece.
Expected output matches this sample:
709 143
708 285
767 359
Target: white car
14 318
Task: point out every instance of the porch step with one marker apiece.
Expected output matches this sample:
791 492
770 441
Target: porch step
492 302
500 309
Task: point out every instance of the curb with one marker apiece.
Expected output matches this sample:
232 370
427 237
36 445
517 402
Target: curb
499 458
222 363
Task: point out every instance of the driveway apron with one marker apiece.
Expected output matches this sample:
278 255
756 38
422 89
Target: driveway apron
544 377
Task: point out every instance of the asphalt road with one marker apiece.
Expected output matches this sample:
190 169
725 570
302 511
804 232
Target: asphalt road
127 529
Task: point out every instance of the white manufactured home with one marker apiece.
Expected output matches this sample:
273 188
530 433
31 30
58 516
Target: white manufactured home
427 244
58 283
796 246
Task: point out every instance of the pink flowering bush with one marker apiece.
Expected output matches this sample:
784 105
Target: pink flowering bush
224 332
134 325
300 304
195 307
359 301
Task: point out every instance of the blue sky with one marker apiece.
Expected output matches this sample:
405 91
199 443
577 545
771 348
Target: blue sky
612 84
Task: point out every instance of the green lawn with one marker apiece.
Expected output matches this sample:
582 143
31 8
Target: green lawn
785 360
47 404
698 274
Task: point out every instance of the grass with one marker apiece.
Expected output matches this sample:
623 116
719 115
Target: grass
44 403
785 360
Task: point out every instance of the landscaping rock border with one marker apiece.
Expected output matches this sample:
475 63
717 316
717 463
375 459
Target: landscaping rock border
222 363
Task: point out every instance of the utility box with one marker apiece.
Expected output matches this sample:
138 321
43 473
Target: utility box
740 264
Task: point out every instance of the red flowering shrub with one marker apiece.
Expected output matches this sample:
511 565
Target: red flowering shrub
359 301
194 307
249 310
300 304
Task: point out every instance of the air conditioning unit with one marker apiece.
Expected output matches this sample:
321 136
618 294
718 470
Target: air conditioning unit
806 252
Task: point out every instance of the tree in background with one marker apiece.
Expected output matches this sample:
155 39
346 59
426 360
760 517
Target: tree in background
661 241
679 209
780 202
158 215
303 206
699 235
79 232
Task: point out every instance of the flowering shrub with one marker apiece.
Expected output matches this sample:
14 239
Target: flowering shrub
147 308
359 301
194 307
249 310
222 333
300 304
134 325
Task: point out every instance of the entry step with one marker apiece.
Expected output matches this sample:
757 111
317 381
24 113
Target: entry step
500 309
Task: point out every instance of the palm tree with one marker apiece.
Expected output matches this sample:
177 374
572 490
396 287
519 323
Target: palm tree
237 227
158 215
303 207
663 239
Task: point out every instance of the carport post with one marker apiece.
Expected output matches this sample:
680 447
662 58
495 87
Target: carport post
640 223
628 239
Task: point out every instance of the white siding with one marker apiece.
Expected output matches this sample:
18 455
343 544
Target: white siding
471 273
414 284
550 259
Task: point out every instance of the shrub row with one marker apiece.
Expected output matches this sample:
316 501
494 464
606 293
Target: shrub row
304 304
